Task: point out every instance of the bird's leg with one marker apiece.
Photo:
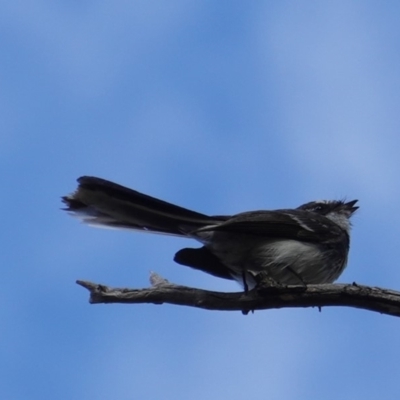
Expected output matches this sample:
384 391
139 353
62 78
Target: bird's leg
245 285
297 275
264 279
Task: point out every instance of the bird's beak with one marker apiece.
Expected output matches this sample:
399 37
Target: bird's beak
350 206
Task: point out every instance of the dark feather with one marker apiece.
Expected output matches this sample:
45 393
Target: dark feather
278 224
202 259
101 202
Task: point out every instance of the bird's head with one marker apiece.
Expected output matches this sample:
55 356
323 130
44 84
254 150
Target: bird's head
337 211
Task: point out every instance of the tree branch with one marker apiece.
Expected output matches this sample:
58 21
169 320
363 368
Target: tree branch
369 298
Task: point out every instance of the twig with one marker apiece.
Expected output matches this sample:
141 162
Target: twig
369 298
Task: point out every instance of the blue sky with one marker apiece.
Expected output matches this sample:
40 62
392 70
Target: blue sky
217 106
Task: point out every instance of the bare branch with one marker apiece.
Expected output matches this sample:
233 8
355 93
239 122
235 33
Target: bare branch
369 298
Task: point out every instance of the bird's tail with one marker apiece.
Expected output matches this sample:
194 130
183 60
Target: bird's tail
100 202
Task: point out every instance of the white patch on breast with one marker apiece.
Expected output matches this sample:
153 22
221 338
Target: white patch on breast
290 252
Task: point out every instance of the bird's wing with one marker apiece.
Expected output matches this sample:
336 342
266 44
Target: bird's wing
285 224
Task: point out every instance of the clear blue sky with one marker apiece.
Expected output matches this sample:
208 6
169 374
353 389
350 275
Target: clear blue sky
219 106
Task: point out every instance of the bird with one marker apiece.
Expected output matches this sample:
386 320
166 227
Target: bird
301 246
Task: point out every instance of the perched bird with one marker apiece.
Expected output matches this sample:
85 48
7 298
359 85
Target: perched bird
306 245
